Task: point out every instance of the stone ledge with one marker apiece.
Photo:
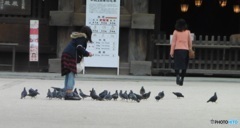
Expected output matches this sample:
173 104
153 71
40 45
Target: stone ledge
140 68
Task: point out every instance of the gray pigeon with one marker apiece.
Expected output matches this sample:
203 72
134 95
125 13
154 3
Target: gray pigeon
146 95
82 94
49 94
178 94
94 95
24 93
108 96
133 97
32 93
75 91
142 90
213 98
160 96
54 93
103 94
115 95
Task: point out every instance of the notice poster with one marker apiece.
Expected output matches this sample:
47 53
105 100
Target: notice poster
103 17
33 41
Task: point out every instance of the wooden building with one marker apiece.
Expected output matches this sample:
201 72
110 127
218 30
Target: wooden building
145 28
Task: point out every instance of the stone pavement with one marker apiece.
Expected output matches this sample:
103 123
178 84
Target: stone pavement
192 111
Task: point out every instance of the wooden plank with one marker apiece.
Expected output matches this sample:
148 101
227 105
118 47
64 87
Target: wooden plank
158 59
66 5
142 21
236 60
79 19
65 18
61 18
125 20
40 13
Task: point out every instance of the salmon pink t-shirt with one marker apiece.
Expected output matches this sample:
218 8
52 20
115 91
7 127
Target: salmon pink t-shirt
181 40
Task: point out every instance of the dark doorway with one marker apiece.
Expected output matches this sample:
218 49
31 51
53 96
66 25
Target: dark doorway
209 19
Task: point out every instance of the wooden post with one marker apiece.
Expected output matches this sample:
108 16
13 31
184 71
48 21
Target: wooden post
138 37
64 32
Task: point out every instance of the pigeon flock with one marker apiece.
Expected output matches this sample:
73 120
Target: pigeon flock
105 95
31 92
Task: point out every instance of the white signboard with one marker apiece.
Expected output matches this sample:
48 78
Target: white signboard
33 41
103 18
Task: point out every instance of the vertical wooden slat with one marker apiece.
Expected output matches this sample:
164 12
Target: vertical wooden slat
164 57
157 56
236 59
211 59
230 56
217 64
223 59
200 59
206 58
33 8
40 9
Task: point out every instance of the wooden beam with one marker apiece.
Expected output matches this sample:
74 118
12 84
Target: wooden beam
142 21
61 18
79 19
68 18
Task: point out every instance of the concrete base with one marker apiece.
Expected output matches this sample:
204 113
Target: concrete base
54 65
140 67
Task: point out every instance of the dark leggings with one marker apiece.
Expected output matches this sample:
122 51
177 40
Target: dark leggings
182 74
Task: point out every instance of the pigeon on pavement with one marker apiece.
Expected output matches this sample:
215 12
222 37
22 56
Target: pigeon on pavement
24 93
146 95
115 95
49 94
133 97
82 94
213 98
103 94
178 94
142 90
159 96
32 93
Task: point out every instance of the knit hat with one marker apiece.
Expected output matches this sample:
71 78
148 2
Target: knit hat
87 30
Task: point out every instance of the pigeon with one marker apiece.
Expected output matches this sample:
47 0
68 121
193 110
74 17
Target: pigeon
146 95
32 93
161 94
121 95
213 98
178 94
60 94
115 95
133 97
139 97
24 93
94 95
49 94
54 93
142 91
157 98
124 95
75 91
108 96
82 94
103 94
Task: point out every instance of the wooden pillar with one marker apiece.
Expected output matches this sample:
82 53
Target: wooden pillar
138 37
63 32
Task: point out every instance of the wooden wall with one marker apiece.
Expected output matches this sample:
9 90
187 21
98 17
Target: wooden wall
14 28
